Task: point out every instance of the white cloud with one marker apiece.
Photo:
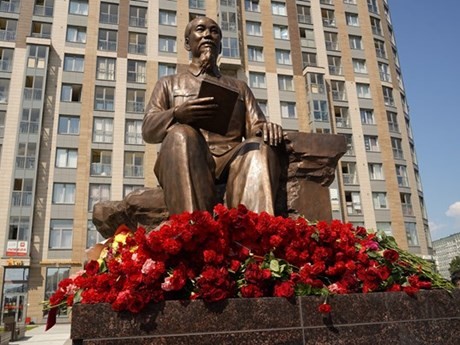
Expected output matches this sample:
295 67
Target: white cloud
454 210
436 227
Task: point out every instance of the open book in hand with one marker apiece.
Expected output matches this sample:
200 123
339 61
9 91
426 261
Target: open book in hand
225 97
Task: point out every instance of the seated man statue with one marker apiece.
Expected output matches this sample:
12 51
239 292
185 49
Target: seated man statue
193 161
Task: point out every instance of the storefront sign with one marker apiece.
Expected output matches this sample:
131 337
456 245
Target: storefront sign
16 248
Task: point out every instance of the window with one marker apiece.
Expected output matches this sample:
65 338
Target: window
335 65
288 110
107 40
257 80
363 90
411 234
253 28
37 56
4 90
133 134
138 15
328 17
165 69
349 173
134 164
252 5
10 6
137 43
103 130
350 2
353 202
356 42
228 3
71 93
230 47
69 125
54 275
98 193
74 63
307 38
406 204
135 101
279 8
101 163
200 4
388 96
285 82
42 30
6 59
2 124
61 233
8 29
342 117
93 236
30 120
380 49
105 68
19 228
367 116
303 14
255 54
136 71
331 41
392 121
79 7
380 200
281 32
283 57
350 146
371 143
384 72
401 174
22 192
167 18
309 59
320 111
338 90
76 34
66 158
376 27
385 227
263 106
372 6
397 148
108 13
25 157
64 193
167 44
352 19
359 66
104 99
33 88
316 83
228 21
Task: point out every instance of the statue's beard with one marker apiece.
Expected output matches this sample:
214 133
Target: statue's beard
207 59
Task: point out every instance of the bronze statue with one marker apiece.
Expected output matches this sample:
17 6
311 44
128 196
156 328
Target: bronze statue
192 161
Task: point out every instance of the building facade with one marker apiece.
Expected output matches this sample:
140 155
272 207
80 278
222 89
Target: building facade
74 79
445 249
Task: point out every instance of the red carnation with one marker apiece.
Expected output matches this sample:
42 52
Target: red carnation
92 268
325 308
251 290
284 289
391 255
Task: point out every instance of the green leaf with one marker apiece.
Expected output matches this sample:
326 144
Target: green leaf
274 265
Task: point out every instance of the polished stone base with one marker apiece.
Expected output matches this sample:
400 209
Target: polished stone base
431 317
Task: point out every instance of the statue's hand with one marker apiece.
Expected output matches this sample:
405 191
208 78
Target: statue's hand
195 109
272 133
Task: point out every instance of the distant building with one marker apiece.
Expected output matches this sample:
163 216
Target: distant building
445 249
75 76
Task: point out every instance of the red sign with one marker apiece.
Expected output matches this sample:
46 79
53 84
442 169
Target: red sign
16 248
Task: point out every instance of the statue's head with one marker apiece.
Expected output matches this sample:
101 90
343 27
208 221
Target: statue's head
203 33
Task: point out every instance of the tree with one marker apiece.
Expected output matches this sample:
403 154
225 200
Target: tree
454 265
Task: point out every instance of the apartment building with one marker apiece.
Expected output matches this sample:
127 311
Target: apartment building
74 79
445 250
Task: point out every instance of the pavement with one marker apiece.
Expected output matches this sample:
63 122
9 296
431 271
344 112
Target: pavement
58 335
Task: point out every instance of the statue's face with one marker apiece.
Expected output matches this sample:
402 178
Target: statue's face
204 34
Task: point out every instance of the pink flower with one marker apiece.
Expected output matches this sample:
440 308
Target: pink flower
149 266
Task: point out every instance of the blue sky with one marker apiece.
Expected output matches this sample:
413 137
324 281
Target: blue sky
427 37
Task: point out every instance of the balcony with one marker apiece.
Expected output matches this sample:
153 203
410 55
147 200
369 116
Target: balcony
25 162
350 151
407 210
350 179
342 122
138 22
332 45
7 35
329 22
137 48
335 70
44 11
26 127
339 95
134 171
32 94
101 169
22 199
354 209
